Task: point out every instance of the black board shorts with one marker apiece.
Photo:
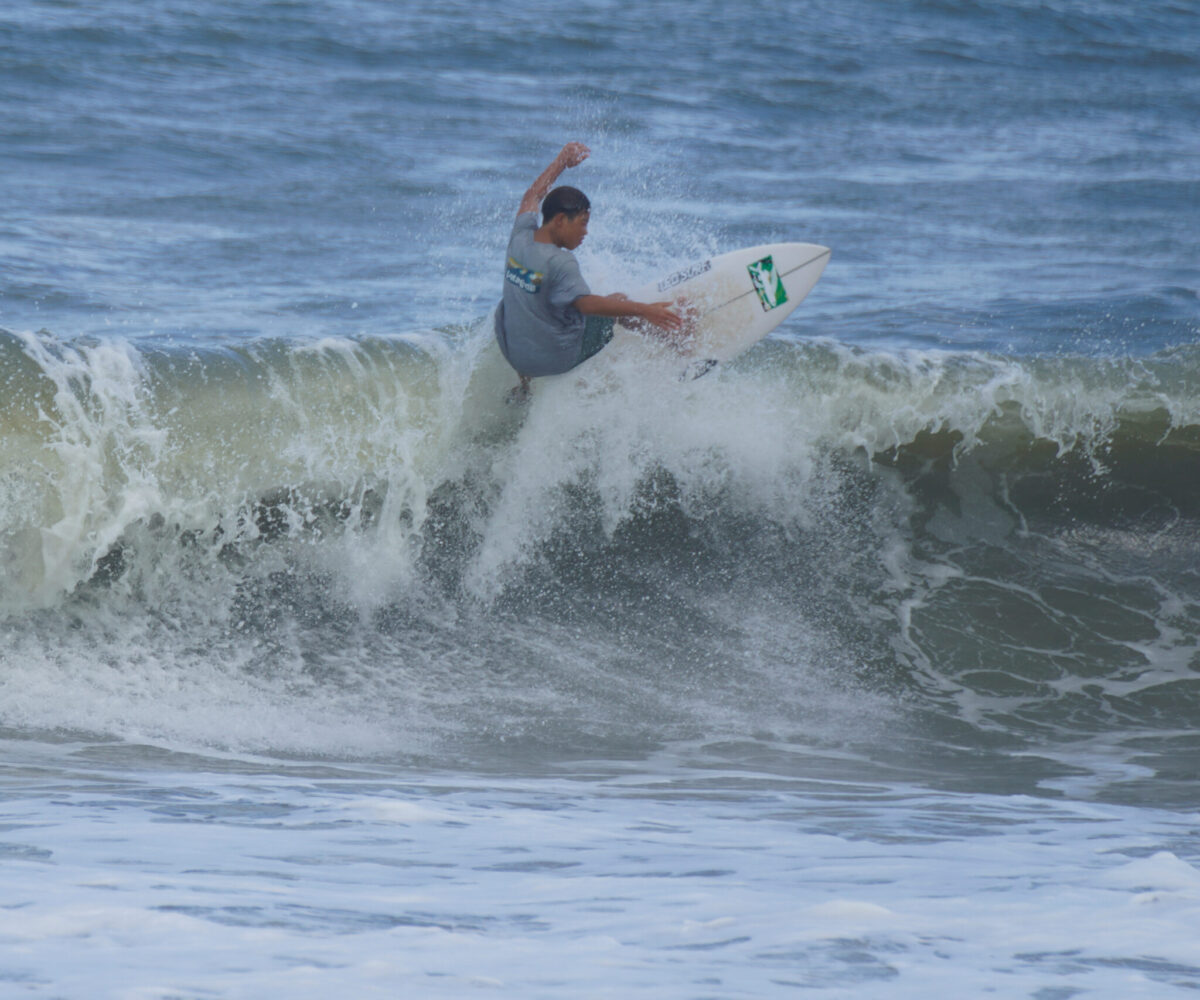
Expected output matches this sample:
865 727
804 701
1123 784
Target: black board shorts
596 334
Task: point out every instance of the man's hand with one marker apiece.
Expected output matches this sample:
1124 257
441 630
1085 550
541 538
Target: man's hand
661 314
573 154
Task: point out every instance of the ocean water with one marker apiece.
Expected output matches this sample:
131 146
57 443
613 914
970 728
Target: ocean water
867 665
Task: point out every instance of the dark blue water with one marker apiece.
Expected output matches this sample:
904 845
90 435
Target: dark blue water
920 565
1016 177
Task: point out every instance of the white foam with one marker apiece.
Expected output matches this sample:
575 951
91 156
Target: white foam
1162 872
265 885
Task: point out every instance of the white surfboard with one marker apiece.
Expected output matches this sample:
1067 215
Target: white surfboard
734 300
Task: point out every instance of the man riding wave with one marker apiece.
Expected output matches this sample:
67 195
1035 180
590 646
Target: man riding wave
548 320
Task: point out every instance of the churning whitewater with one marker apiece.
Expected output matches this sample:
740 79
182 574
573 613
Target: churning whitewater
275 501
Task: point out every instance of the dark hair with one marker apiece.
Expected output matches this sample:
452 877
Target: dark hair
566 199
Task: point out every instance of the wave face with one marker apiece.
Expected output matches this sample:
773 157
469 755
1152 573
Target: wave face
356 543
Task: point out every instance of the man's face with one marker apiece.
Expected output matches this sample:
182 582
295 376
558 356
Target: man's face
572 231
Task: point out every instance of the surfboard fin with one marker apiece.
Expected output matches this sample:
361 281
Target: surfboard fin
698 368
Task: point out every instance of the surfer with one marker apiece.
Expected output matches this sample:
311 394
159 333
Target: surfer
548 320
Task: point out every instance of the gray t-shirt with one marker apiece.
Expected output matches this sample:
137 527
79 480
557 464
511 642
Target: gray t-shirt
539 331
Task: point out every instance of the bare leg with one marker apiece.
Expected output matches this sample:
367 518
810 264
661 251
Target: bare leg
519 393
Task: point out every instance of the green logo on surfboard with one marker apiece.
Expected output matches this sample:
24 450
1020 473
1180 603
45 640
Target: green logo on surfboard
771 292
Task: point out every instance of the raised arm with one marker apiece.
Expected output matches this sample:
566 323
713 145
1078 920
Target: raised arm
571 155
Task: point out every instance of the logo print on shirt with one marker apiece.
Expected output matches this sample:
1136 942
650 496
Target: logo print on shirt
523 277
